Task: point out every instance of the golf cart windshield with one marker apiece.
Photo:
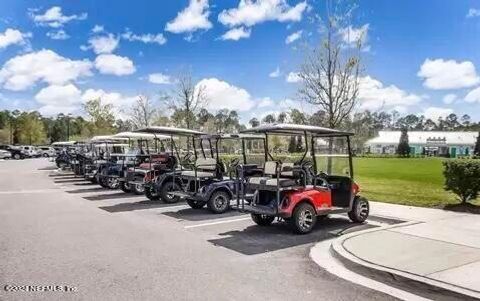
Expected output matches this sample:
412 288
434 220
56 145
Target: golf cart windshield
332 156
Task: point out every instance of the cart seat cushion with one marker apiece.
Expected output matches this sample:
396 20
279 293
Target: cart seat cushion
257 180
270 168
287 173
283 182
206 164
200 174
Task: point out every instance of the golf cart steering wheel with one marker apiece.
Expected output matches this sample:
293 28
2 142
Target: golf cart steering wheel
232 165
187 159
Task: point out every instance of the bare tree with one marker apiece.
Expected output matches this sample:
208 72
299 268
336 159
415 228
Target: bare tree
143 113
187 99
331 72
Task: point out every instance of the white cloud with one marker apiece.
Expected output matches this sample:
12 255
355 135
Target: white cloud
23 71
13 37
54 17
57 99
443 74
473 96
373 95
58 35
236 34
102 44
275 73
351 36
194 17
265 102
473 12
450 98
221 95
434 113
293 37
159 78
145 38
98 28
293 77
121 103
249 12
114 64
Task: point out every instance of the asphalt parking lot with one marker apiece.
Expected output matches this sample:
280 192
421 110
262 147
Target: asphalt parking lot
57 229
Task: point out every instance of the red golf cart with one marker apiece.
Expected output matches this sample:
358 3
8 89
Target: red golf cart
303 187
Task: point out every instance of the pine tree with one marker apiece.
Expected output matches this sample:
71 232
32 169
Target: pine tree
476 151
292 145
403 148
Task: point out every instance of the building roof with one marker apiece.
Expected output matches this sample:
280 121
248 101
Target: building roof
426 137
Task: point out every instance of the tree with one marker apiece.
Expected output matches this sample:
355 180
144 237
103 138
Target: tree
142 113
186 100
101 117
403 148
462 177
31 129
254 122
270 118
298 117
292 144
476 151
330 75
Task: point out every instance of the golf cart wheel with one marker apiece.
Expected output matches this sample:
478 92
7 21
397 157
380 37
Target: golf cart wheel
112 183
18 157
168 187
138 189
262 220
45 155
195 204
152 194
102 182
125 187
360 210
219 202
93 180
304 218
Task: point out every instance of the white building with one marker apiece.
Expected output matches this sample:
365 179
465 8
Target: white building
429 142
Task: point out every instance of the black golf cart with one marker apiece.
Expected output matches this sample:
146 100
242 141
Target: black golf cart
159 186
213 179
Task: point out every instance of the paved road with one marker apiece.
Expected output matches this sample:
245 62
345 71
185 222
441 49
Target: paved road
59 230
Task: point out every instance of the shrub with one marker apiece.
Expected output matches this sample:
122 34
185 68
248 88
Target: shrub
403 148
462 177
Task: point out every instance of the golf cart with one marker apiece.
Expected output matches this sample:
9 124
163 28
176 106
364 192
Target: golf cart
142 162
304 190
100 157
213 180
166 179
63 153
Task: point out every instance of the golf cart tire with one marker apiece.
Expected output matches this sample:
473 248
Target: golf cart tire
138 191
18 157
166 188
211 203
93 180
262 220
298 223
195 204
151 195
102 182
125 187
360 210
112 183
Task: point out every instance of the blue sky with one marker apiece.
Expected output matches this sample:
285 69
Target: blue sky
421 57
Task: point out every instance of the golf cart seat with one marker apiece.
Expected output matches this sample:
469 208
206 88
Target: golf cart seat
206 167
270 172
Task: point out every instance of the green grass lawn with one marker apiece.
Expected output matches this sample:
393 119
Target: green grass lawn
412 181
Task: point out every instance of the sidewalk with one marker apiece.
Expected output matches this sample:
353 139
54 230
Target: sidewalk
438 248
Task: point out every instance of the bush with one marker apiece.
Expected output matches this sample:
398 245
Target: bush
462 177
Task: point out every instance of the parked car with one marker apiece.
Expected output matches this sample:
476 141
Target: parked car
16 152
47 151
31 151
5 154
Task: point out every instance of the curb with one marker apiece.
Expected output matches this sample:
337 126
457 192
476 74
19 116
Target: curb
422 286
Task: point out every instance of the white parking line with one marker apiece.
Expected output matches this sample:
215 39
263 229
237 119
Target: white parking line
218 222
29 191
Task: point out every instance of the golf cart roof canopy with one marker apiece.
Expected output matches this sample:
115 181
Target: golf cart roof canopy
232 136
140 136
296 129
58 143
106 139
165 130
